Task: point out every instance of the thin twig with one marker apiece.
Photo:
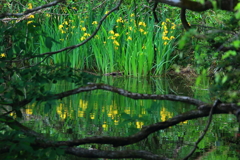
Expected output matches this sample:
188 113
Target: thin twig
217 102
31 10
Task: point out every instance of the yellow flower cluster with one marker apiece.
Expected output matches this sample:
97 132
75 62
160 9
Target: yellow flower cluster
85 35
113 36
139 124
31 16
30 6
143 26
94 22
65 26
165 25
120 20
129 38
165 114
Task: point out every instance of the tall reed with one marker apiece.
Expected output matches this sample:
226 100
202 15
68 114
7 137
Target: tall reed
133 45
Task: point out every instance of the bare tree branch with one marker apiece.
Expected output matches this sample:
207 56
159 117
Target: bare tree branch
80 152
54 3
188 4
42 142
198 6
184 20
119 91
225 107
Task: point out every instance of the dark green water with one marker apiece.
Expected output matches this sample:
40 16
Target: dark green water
103 113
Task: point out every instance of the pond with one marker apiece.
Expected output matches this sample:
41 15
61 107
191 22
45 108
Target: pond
104 113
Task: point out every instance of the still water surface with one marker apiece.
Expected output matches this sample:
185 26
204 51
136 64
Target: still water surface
103 113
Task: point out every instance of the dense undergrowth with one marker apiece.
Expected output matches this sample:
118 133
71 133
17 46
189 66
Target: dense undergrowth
129 42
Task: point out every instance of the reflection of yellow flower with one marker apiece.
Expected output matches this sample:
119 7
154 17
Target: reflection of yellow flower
116 122
2 55
92 116
105 126
165 114
83 104
61 112
128 111
139 124
80 113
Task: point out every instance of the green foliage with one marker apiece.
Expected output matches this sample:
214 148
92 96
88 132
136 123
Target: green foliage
132 43
214 52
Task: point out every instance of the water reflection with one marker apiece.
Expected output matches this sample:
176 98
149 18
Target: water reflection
102 112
